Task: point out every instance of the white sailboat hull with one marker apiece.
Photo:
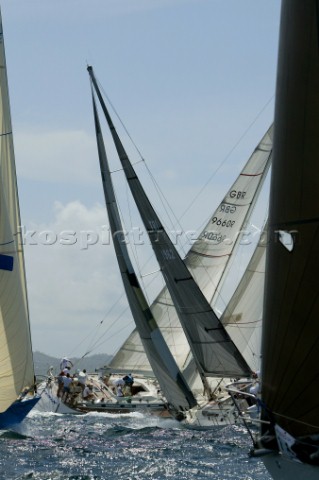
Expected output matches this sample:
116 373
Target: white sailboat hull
214 414
104 401
283 468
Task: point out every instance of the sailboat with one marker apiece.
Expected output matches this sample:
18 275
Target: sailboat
208 260
145 351
171 380
214 352
288 442
17 396
178 396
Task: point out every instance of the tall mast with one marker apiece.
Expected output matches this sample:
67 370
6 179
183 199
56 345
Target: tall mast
214 352
171 380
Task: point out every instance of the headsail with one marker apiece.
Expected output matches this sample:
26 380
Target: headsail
290 345
163 364
214 352
242 317
16 363
208 257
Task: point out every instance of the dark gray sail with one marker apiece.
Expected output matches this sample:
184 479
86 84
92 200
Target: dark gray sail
290 345
208 260
214 352
161 360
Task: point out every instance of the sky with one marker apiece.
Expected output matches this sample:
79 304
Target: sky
193 82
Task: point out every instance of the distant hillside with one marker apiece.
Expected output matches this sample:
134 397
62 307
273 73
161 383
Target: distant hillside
43 362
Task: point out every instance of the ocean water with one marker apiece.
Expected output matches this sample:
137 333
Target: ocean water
124 447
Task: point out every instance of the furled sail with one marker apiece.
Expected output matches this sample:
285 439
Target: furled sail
16 363
290 344
208 258
160 358
213 350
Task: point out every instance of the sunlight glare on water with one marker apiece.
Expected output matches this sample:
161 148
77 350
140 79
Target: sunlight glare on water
130 447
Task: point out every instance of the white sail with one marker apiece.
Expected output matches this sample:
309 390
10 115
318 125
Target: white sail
209 256
207 259
131 357
243 314
16 363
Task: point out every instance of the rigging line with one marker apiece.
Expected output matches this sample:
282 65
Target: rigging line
112 336
122 169
140 161
255 119
216 170
100 324
294 420
135 255
164 203
94 345
162 197
205 185
154 274
134 251
120 120
228 155
177 221
149 273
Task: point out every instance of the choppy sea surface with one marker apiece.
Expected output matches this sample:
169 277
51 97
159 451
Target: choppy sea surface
124 447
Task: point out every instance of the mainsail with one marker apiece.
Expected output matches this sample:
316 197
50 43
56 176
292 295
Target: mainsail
213 350
160 358
290 345
16 362
207 259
